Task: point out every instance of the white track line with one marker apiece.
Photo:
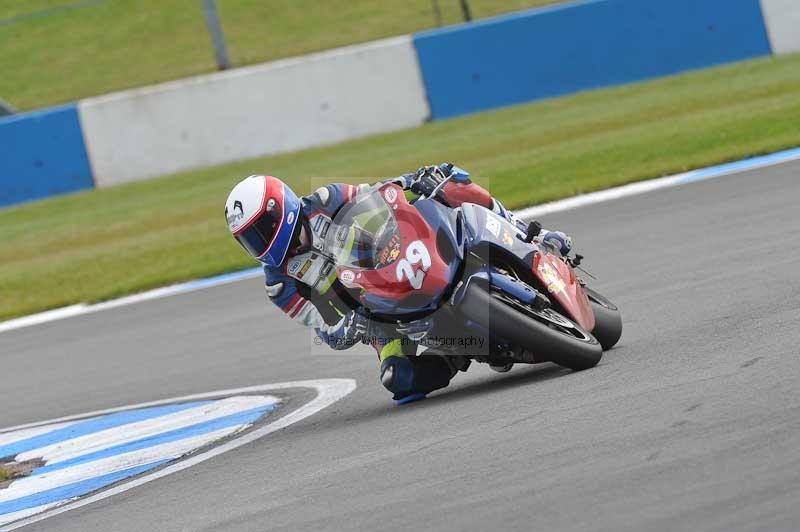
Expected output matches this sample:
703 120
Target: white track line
20 435
328 392
112 464
600 196
530 212
104 439
8 518
650 185
167 291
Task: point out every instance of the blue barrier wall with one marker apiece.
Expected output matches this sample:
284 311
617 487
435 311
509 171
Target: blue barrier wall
563 49
41 154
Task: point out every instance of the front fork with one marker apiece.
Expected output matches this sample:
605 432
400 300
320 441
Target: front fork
494 279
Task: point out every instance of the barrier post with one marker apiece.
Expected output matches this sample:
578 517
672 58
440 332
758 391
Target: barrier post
217 36
6 108
437 13
465 10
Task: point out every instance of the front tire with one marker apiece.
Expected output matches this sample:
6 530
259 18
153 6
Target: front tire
546 333
608 320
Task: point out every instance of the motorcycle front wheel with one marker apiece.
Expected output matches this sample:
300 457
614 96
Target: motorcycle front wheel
545 333
608 321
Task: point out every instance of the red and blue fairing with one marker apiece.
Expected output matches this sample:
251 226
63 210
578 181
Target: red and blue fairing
404 260
398 254
489 234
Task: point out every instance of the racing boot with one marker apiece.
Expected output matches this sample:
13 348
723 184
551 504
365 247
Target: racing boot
432 372
411 378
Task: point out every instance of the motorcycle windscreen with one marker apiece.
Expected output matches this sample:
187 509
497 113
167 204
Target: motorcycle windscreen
361 232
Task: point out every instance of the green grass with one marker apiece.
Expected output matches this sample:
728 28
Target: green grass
105 243
74 53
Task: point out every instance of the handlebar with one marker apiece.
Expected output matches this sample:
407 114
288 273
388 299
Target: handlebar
440 186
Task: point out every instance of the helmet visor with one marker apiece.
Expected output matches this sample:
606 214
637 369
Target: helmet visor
258 237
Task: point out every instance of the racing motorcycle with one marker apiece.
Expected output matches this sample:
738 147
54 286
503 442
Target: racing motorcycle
467 281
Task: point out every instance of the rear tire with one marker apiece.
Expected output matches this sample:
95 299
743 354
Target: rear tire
546 334
608 320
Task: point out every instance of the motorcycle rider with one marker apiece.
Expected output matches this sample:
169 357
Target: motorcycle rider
286 234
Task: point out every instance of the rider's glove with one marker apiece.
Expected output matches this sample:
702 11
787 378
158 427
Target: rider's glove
356 328
559 241
427 178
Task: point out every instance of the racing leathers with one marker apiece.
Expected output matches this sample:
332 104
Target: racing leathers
306 288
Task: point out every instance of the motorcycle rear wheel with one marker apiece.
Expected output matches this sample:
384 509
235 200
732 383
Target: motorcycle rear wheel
546 333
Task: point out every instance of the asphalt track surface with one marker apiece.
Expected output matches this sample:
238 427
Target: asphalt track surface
692 423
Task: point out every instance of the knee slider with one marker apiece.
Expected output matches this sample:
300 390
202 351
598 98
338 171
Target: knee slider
397 375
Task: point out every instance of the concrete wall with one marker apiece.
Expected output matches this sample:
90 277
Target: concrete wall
42 154
381 86
563 49
271 108
783 24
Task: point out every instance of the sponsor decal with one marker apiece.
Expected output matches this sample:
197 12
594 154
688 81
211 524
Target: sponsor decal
551 278
271 204
493 225
324 232
390 194
508 240
321 225
299 267
347 277
235 217
294 266
341 233
304 269
317 222
390 253
290 218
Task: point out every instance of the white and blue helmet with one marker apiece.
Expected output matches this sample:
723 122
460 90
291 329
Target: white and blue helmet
262 214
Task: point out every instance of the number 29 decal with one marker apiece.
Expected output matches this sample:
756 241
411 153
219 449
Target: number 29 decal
416 252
